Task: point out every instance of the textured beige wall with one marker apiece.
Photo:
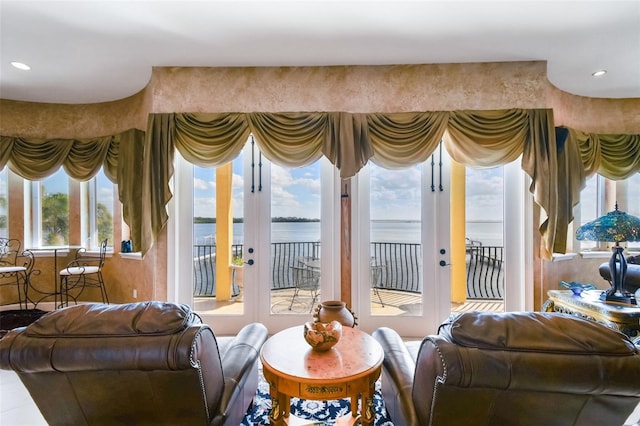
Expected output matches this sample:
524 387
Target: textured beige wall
595 115
65 121
358 89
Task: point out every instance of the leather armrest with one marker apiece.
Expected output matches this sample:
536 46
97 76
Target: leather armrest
397 376
240 362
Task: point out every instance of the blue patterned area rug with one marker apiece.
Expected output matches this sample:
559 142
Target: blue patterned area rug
318 412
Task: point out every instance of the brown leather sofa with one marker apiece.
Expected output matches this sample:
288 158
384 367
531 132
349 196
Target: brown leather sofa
511 369
149 363
632 277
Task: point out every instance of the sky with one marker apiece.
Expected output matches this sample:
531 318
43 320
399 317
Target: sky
395 193
295 191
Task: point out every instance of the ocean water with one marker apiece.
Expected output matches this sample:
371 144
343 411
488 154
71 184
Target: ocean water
489 233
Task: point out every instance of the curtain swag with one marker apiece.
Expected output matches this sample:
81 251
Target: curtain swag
558 160
119 155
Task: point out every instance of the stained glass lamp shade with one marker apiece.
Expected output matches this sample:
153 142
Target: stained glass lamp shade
616 226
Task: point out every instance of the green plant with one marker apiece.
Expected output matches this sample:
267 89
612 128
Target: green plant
237 260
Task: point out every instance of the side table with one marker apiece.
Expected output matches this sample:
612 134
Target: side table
349 370
621 316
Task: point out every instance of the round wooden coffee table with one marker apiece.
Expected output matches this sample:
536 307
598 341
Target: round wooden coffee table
349 370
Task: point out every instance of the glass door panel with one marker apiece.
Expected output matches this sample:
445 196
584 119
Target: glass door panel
212 192
484 225
401 226
295 239
395 266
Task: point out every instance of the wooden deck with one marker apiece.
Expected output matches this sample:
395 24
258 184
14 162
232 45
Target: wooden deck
395 303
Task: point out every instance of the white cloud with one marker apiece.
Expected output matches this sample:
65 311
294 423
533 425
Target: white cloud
201 184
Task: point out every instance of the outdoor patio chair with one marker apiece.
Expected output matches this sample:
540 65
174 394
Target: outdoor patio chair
305 278
376 276
81 273
15 268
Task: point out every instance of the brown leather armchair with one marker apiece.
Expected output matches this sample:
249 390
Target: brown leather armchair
141 363
632 277
527 368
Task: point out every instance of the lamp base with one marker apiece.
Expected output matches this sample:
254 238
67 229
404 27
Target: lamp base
621 297
618 269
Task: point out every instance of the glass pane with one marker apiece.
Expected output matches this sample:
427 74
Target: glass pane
396 249
4 203
54 210
484 211
633 201
589 208
205 278
104 210
295 238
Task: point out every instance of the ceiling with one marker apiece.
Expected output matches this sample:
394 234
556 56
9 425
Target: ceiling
94 51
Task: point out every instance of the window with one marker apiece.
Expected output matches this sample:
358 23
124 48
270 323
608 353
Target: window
632 204
98 218
600 197
50 211
54 202
4 203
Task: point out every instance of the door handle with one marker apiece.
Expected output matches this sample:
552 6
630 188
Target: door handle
249 262
443 263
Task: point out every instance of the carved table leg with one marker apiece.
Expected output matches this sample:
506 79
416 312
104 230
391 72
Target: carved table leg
368 412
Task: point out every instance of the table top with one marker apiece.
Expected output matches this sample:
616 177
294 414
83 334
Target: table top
355 354
591 299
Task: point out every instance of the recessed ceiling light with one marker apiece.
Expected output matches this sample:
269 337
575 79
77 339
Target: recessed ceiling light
599 73
21 66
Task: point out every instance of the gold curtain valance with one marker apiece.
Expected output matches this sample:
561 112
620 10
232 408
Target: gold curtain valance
119 155
142 166
35 159
402 139
612 156
479 138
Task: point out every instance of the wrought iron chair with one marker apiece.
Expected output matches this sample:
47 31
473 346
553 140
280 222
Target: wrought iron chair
305 278
15 267
376 276
82 272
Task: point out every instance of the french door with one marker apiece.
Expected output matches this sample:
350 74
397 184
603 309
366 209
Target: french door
284 219
402 247
404 234
287 226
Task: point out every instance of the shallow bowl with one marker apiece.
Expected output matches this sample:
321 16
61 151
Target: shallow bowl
322 336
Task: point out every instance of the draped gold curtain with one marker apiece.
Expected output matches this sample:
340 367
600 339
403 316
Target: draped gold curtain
479 138
142 165
612 156
120 156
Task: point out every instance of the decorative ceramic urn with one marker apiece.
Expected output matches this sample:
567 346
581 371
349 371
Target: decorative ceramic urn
322 336
335 310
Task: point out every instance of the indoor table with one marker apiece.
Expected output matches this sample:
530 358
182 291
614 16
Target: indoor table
348 370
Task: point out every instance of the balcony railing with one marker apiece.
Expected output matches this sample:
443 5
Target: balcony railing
485 272
401 266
